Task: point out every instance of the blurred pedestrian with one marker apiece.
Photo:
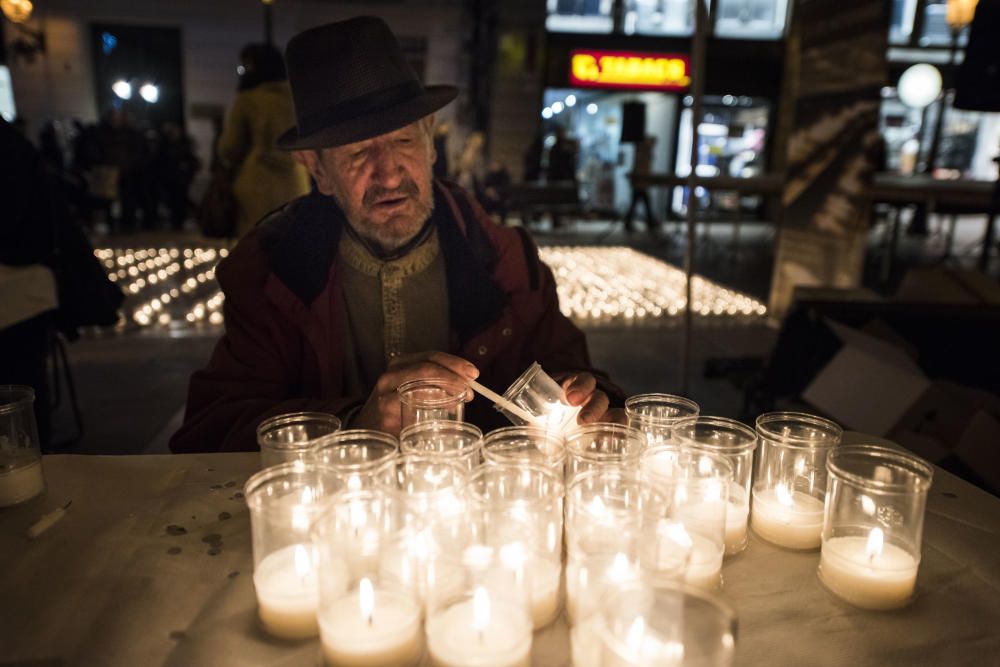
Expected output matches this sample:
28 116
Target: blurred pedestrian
263 177
642 165
177 165
471 164
441 133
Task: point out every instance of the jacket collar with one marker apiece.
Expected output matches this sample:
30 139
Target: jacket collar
301 239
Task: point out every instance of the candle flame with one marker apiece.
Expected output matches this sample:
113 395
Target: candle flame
620 569
875 541
302 563
784 495
480 609
366 597
636 634
597 507
675 532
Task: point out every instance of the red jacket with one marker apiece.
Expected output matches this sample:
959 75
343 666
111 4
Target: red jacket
281 351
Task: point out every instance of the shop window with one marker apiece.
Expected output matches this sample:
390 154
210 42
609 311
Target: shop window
659 17
751 19
937 32
590 16
901 22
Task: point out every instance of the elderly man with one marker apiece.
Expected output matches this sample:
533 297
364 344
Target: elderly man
379 276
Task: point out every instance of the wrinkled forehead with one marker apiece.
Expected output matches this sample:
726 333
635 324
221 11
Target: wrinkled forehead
421 128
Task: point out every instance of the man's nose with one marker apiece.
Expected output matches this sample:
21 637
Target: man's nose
387 168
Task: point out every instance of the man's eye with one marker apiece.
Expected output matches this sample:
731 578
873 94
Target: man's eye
357 155
404 141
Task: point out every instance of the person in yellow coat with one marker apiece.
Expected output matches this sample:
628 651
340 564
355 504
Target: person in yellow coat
264 177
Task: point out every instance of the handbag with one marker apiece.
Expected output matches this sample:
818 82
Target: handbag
216 213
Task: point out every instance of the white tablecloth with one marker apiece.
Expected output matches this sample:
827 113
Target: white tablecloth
118 583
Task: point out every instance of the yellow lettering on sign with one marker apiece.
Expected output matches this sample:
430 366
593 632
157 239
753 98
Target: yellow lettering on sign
630 70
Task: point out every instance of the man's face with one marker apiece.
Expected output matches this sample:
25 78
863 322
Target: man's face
382 184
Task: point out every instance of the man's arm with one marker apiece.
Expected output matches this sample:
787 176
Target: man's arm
254 370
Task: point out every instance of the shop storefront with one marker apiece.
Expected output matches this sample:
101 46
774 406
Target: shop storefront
608 92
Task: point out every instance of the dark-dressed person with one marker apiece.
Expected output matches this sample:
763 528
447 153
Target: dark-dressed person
176 166
264 177
379 276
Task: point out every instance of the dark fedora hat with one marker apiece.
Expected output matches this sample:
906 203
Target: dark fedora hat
350 82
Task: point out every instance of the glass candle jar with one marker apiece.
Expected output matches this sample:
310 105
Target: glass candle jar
538 395
608 527
525 444
432 399
364 616
602 445
695 486
21 476
363 457
455 441
517 510
432 491
649 626
284 501
790 480
289 437
873 525
488 623
735 442
656 414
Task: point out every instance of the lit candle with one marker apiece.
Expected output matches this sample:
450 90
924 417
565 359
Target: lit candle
588 577
538 577
789 519
371 628
736 509
867 572
410 562
21 483
481 632
704 556
287 592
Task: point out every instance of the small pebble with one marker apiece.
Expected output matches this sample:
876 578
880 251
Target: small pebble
173 551
212 538
174 529
214 551
177 634
238 494
230 485
224 516
949 494
215 487
234 574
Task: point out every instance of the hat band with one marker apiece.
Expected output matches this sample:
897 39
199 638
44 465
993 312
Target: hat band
360 106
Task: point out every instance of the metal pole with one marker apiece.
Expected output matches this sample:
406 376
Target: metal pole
268 22
697 94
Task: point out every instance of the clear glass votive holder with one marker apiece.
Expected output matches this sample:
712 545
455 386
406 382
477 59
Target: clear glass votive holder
538 395
455 441
525 444
735 442
431 399
789 483
21 477
487 623
363 457
656 414
602 445
517 509
606 520
873 525
364 616
432 491
651 626
284 502
694 485
289 437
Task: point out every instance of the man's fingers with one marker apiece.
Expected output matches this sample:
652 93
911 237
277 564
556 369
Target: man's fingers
594 409
456 365
424 370
579 387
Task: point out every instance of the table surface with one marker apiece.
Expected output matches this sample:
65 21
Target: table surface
117 582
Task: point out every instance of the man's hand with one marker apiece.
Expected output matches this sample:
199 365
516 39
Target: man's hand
381 411
581 389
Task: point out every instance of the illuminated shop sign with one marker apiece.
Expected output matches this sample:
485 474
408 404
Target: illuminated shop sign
629 69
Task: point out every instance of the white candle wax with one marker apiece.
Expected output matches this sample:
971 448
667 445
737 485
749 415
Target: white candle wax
482 632
871 579
735 510
793 520
585 642
705 566
384 634
21 483
287 592
539 578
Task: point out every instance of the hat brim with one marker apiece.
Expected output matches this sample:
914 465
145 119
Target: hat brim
371 124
